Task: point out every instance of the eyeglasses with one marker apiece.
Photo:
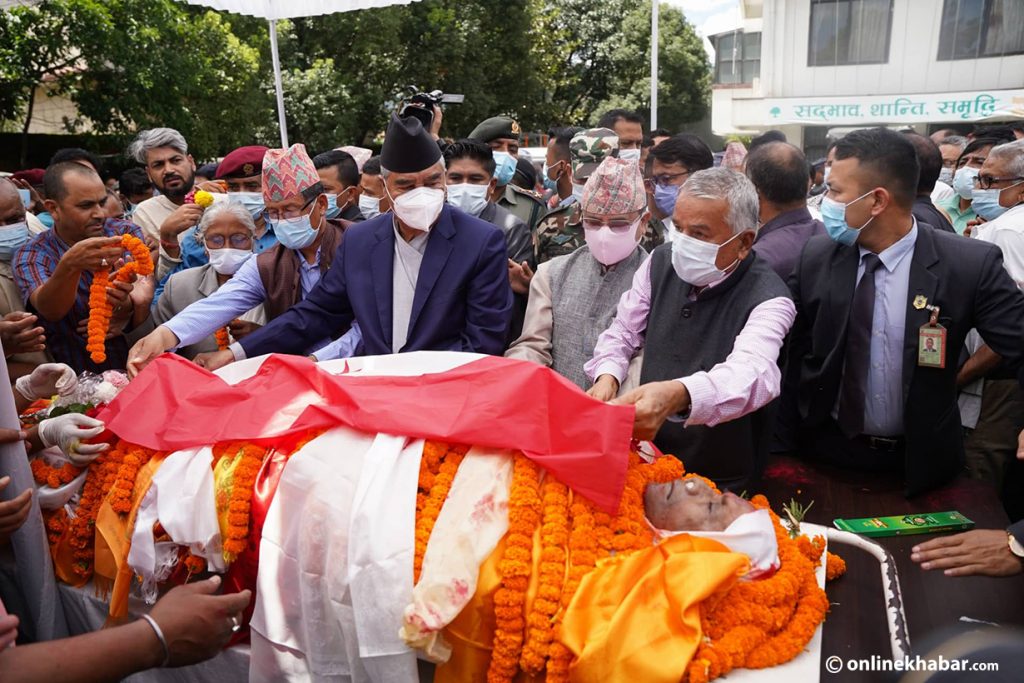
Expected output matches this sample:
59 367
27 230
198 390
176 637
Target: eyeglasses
986 181
237 240
664 179
620 225
275 215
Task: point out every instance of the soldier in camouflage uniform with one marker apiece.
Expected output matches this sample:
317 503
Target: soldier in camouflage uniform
501 134
561 230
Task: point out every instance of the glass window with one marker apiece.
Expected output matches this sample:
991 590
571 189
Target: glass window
849 32
981 28
737 57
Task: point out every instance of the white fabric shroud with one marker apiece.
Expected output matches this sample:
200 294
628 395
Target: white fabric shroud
472 521
181 497
336 562
751 534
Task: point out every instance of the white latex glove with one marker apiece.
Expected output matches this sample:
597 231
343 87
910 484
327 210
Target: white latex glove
46 380
67 431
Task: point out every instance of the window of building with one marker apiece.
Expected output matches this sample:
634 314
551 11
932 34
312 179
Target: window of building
737 57
849 32
981 28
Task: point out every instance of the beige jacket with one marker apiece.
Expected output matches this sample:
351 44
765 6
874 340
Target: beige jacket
534 344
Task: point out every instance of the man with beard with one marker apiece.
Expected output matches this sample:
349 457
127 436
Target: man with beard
164 153
55 269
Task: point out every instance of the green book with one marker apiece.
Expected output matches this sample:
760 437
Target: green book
905 525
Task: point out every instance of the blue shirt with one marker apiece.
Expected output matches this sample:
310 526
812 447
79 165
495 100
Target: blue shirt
244 291
33 265
883 397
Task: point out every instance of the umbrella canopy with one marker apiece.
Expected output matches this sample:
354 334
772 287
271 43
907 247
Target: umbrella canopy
272 10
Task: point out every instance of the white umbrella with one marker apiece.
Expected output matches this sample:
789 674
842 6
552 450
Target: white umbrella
272 10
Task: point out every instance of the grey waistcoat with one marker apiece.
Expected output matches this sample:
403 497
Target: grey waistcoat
583 302
685 336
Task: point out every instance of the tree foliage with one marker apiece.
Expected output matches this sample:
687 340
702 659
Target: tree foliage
129 64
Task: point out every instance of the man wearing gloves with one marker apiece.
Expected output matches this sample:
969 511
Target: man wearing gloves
711 318
425 277
573 297
67 431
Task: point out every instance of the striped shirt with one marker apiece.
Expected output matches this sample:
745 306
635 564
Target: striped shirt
33 265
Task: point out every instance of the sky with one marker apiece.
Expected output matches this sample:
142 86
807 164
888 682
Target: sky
710 16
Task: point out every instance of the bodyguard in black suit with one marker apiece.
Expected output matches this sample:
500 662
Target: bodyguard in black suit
847 350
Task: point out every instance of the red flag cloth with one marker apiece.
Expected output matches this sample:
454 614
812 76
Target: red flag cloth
490 402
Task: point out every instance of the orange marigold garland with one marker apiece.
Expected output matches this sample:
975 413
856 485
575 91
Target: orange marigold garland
82 527
124 482
244 480
223 341
100 310
524 515
554 541
438 466
53 476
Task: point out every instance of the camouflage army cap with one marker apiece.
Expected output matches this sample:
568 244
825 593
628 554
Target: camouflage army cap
589 148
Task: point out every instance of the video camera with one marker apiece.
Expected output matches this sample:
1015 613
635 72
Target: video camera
421 104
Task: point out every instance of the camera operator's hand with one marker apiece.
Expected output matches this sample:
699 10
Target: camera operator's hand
435 125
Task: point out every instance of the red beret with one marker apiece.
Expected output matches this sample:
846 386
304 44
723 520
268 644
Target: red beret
34 176
242 162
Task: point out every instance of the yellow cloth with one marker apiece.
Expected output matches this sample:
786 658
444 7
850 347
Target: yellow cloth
637 618
632 618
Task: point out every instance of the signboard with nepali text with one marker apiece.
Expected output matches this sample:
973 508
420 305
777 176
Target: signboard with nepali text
930 108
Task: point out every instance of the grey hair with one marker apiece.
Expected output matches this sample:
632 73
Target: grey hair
153 139
384 173
222 209
1013 154
955 140
735 188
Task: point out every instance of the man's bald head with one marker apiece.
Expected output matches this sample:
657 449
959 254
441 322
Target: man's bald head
54 184
779 171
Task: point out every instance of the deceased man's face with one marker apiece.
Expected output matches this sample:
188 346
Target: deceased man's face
691 505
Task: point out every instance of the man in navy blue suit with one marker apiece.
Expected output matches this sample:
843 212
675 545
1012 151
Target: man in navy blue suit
424 276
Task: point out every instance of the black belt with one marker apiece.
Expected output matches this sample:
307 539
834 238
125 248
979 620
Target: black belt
888 444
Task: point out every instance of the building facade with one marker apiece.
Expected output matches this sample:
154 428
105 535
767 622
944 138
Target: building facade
818 68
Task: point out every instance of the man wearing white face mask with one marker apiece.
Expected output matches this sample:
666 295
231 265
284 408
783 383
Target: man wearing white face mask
573 297
711 318
277 278
227 233
501 134
425 277
628 127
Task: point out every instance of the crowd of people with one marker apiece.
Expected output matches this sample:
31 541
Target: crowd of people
863 309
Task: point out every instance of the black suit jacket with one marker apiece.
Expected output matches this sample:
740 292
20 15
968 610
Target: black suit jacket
965 278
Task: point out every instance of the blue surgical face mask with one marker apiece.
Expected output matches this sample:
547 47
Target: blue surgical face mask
963 182
252 201
26 197
986 202
549 184
946 175
665 197
505 167
294 233
833 215
333 210
12 238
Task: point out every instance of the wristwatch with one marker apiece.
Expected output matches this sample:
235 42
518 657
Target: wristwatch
1015 547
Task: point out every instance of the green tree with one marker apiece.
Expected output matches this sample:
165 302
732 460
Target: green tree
131 64
684 72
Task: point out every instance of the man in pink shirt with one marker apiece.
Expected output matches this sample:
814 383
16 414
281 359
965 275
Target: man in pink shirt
711 318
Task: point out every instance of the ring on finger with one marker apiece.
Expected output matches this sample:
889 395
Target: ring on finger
236 623
103 263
